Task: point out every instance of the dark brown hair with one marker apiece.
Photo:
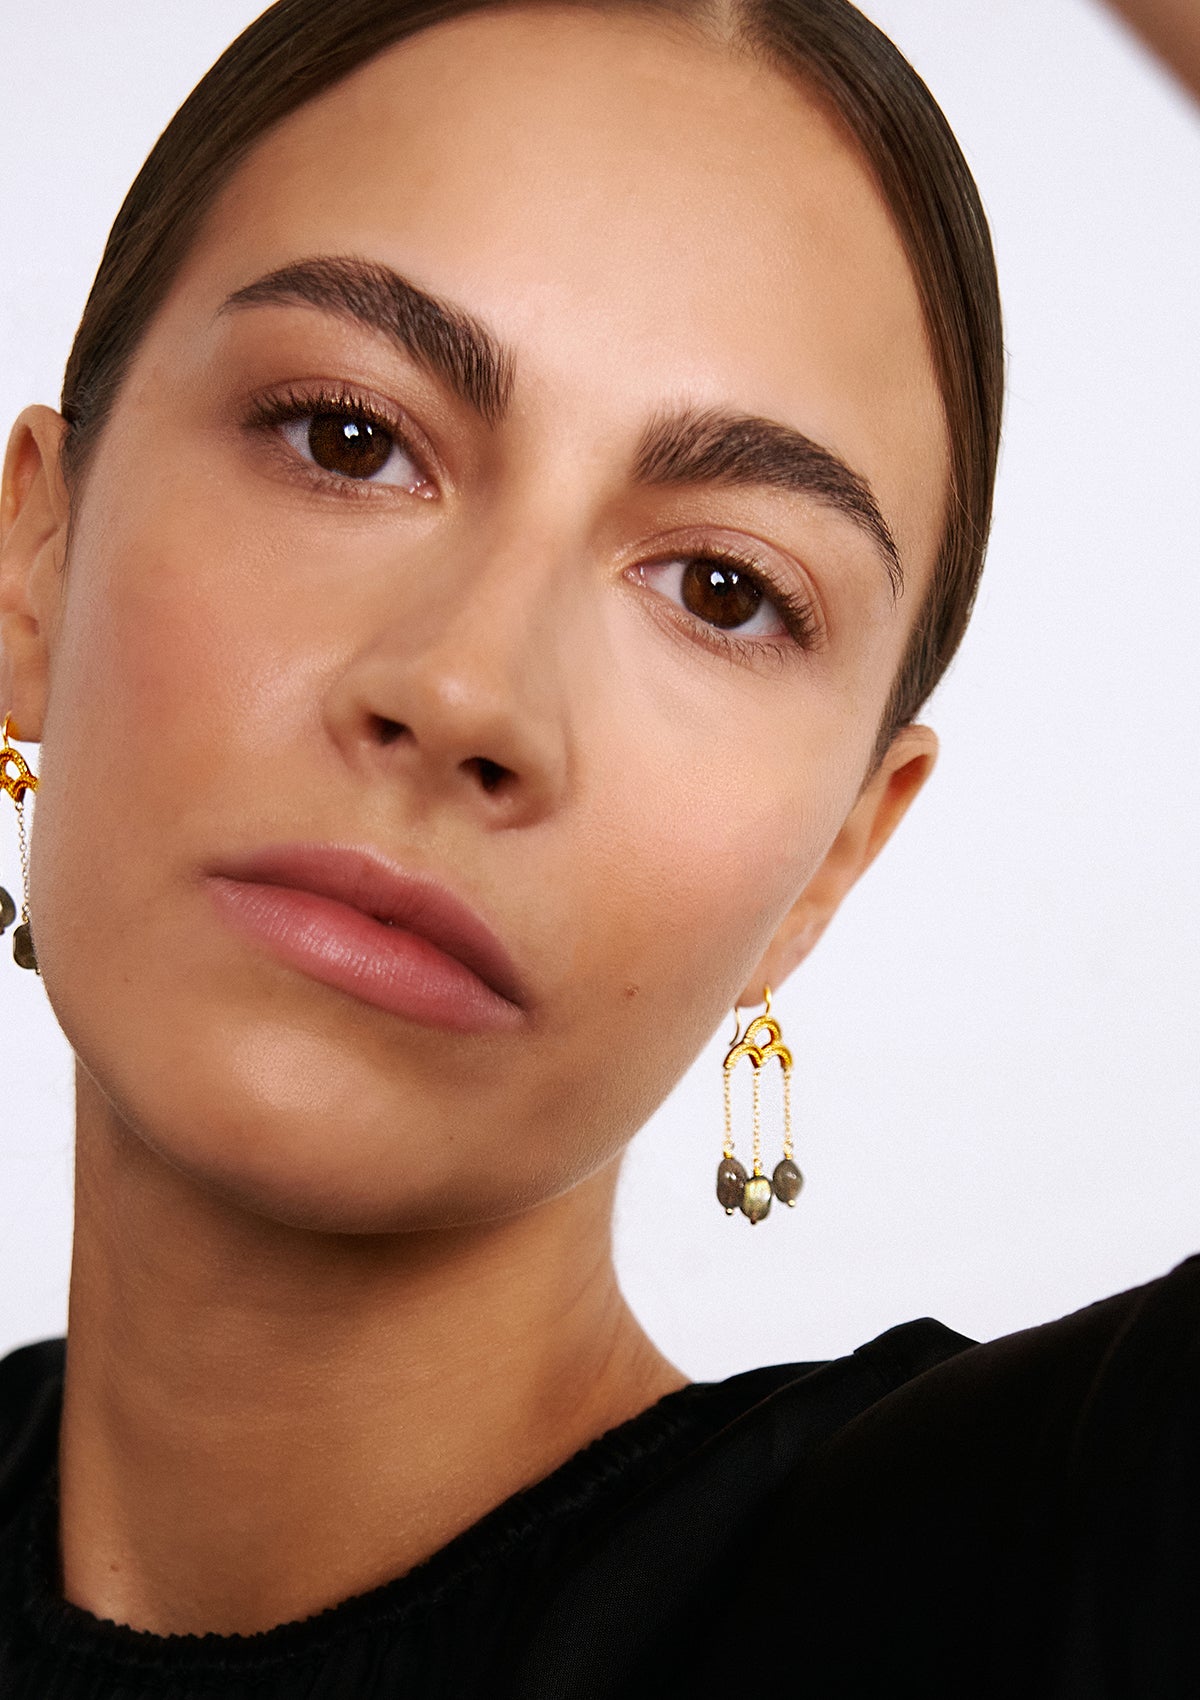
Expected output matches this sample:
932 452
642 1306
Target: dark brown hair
300 48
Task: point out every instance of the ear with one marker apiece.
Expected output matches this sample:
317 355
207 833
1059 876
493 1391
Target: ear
34 515
878 810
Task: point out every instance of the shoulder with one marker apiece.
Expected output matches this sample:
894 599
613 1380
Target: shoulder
31 1380
642 1586
1053 1394
1018 1519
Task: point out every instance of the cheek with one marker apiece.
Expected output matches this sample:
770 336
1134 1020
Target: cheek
704 828
162 679
691 852
186 616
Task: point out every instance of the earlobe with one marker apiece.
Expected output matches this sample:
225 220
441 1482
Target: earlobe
878 810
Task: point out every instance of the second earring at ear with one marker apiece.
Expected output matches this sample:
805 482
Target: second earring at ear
751 1193
17 782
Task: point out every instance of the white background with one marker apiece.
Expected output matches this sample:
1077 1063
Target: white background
997 1081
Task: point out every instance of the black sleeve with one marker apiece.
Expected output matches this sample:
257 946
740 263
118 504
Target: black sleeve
1022 1520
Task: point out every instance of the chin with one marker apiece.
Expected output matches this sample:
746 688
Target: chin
391 1170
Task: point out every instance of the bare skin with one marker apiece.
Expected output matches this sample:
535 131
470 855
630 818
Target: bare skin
334 1270
1172 29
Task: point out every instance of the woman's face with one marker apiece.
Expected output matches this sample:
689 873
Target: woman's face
519 598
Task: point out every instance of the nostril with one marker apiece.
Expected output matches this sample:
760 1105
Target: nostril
391 730
490 773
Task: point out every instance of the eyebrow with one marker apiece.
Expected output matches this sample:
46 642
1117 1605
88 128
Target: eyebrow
713 446
688 445
448 342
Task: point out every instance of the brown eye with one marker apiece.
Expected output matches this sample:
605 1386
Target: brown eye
346 442
720 593
353 447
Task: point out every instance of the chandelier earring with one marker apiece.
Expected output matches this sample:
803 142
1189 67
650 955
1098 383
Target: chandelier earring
760 1044
16 779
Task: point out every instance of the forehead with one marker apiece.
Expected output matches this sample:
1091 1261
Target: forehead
644 214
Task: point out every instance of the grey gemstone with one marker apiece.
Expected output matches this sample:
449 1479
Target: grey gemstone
24 954
756 1197
8 911
786 1181
731 1178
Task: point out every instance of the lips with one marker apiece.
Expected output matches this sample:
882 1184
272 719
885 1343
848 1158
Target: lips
364 881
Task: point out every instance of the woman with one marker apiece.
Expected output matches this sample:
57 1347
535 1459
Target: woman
519 476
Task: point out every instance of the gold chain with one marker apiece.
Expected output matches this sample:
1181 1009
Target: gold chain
728 1118
758 1168
24 861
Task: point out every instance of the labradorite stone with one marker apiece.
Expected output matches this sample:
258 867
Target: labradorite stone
24 954
756 1197
8 911
731 1178
786 1181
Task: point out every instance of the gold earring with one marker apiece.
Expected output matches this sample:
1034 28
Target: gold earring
17 784
736 1190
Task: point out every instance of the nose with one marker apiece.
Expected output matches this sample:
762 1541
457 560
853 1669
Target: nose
465 694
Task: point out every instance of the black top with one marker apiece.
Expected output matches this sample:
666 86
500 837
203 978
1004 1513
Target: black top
925 1516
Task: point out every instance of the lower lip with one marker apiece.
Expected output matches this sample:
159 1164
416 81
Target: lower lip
396 971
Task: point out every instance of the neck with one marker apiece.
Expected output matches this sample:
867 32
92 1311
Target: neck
237 1389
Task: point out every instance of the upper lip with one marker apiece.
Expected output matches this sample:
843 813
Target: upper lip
365 880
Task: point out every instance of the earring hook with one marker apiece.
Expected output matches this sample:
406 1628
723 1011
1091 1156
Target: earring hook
737 1015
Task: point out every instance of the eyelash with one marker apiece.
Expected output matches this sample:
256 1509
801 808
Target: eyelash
268 413
798 613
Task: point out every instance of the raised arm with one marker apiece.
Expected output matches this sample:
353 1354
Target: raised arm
1172 29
